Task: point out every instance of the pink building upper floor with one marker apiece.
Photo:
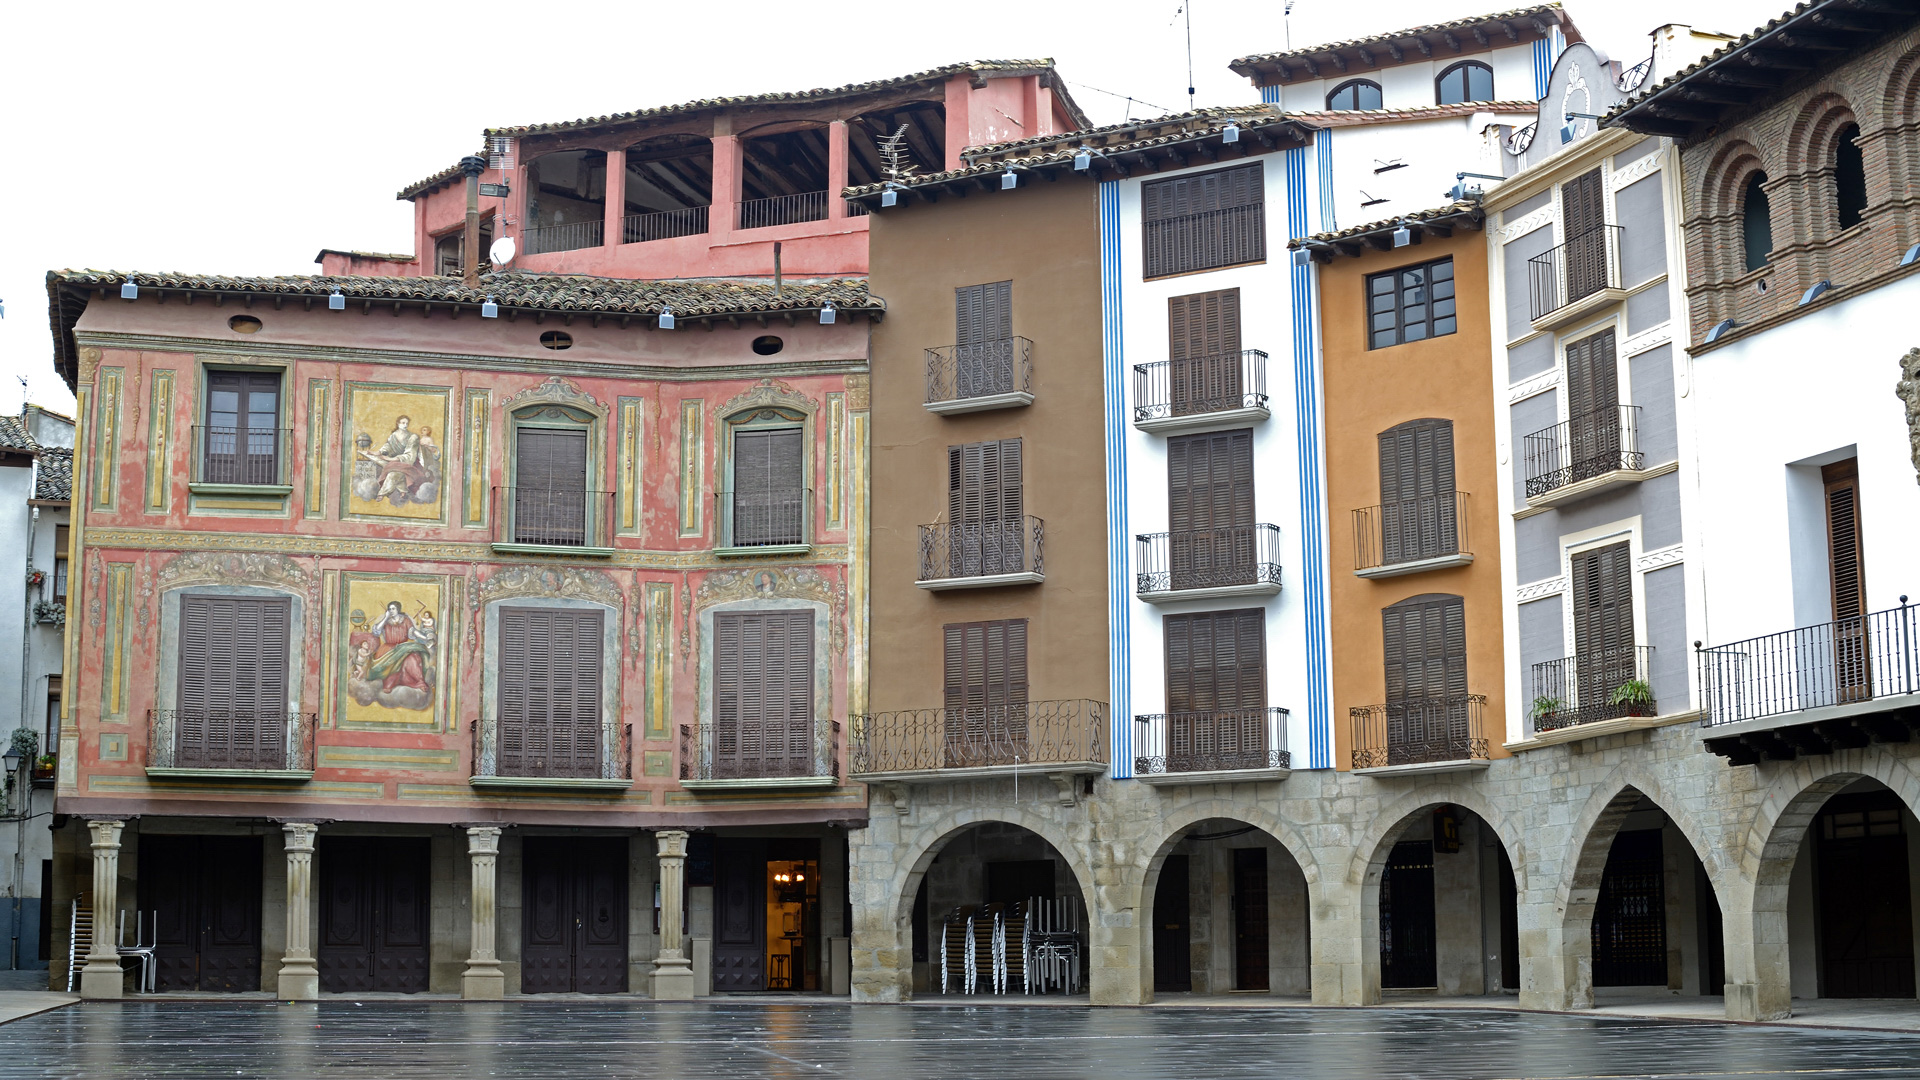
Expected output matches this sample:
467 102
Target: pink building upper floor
707 188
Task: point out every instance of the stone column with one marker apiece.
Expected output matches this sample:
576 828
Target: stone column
616 199
483 979
836 169
299 978
672 971
101 977
728 184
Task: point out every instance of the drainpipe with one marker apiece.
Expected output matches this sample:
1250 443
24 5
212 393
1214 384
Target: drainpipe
470 241
22 784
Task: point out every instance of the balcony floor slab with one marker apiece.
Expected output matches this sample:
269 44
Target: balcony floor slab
1425 768
764 783
1574 733
1579 309
287 776
983 772
1225 418
1260 588
1588 488
548 783
1417 566
1212 776
984 581
1013 400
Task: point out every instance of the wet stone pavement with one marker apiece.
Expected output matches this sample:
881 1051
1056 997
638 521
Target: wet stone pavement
580 1039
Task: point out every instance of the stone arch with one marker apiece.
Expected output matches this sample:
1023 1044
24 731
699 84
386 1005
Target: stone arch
1722 204
933 838
1899 100
1773 842
1811 142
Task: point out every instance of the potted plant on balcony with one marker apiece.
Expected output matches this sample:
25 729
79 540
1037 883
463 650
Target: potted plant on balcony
43 767
1635 695
1544 709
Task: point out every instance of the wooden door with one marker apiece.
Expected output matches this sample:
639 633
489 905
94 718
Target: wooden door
1216 690
374 907
740 914
1203 352
1425 642
574 892
769 497
550 486
549 723
986 512
1417 505
1595 442
984 359
205 893
1407 954
1172 930
1864 900
762 694
1583 212
1250 918
1602 624
1853 675
1630 915
986 692
1210 509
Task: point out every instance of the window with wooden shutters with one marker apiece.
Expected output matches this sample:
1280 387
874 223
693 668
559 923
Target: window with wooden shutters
762 694
1203 352
986 692
234 653
550 679
240 443
1204 221
1210 509
1595 440
1425 645
983 336
769 489
1417 503
1583 236
1852 677
1217 689
985 515
1412 303
1602 623
550 486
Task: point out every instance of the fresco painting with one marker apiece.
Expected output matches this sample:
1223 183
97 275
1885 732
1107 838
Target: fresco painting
392 667
396 464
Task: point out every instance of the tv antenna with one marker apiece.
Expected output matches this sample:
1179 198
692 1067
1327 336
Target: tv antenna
1286 23
1186 9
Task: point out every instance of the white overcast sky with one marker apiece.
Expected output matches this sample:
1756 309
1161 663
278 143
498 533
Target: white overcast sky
242 138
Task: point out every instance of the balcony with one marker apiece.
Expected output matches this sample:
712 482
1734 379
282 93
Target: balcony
982 555
240 461
1201 564
1063 738
1582 457
513 757
1200 392
1206 747
553 521
663 225
1419 735
763 522
1570 282
1408 537
754 754
202 744
979 377
1592 686
546 239
783 210
1813 690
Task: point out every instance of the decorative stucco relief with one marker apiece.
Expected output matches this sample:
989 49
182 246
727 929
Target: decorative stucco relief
1654 560
555 389
1909 390
1537 384
800 583
569 582
770 392
1637 170
1537 590
1526 224
245 568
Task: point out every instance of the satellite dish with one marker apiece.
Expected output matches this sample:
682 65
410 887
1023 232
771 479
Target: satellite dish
502 251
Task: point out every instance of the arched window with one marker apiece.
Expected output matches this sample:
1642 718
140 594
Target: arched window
1850 177
1355 94
1756 221
1468 80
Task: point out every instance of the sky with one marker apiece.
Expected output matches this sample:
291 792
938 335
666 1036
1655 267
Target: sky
243 138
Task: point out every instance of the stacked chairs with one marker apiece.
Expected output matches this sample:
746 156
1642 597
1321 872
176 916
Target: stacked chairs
1053 946
1032 946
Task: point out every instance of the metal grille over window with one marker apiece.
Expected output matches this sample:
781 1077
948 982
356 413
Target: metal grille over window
1206 221
240 442
1410 304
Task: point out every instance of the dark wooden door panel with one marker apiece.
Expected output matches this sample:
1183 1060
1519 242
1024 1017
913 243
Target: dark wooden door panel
374 909
575 918
1407 957
1250 918
1630 917
1865 902
205 891
600 917
740 914
1172 934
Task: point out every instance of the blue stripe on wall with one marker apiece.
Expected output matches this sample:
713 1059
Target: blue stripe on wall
1542 67
1270 95
1313 544
1323 161
1119 595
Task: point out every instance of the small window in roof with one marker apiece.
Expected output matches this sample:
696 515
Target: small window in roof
1756 221
1468 80
1355 94
1850 177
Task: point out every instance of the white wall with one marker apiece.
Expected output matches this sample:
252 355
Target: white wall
1434 151
1410 86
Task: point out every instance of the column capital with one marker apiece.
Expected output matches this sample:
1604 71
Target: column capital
299 835
672 843
483 839
106 833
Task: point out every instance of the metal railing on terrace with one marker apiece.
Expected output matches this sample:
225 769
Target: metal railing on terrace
748 519
1207 558
984 549
1429 527
1224 739
758 750
240 741
1844 662
982 369
553 517
236 455
663 225
1023 733
783 210
545 239
1196 385
1597 684
1592 444
539 752
1573 271
1418 731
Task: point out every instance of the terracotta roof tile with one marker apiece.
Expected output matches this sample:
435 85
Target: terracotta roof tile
1362 117
438 180
14 435
1465 208
389 256
53 475
1250 65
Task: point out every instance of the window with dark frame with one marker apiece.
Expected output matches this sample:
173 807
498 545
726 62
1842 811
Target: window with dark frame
60 543
1412 303
1204 221
769 488
983 339
240 441
1468 80
549 684
1356 94
233 656
762 694
550 486
1849 177
1756 221
986 690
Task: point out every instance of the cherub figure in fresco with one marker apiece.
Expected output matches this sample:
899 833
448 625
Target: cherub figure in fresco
393 659
406 468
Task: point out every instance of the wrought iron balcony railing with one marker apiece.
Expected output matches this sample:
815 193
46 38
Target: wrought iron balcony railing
235 455
663 225
958 373
950 552
783 210
1573 271
758 750
236 741
1197 385
505 750
545 239
1225 739
1836 663
1233 555
1592 444
1419 731
1413 530
553 517
1598 684
1027 733
763 519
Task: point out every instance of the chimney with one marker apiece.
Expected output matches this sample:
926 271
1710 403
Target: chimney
470 241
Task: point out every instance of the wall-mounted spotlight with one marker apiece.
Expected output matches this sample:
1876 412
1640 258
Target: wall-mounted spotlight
1302 257
129 291
827 314
1567 131
1460 192
488 309
1402 236
1813 293
666 318
336 302
1912 256
1082 160
1230 133
889 197
1008 181
1720 330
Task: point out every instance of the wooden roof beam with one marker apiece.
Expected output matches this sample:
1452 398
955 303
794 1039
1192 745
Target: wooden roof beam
1339 61
1426 47
1396 52
1366 57
1452 42
1480 37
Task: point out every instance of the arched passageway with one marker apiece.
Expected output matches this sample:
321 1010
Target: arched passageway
1850 912
1227 911
1440 908
999 909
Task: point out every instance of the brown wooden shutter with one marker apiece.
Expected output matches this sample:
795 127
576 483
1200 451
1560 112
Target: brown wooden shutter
234 652
986 512
768 490
1203 351
1584 251
550 483
1216 689
1602 623
986 691
1417 505
1203 221
763 694
1852 675
1594 437
1210 509
1425 646
549 687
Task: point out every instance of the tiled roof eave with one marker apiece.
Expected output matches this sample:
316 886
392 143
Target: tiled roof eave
1267 63
1440 220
